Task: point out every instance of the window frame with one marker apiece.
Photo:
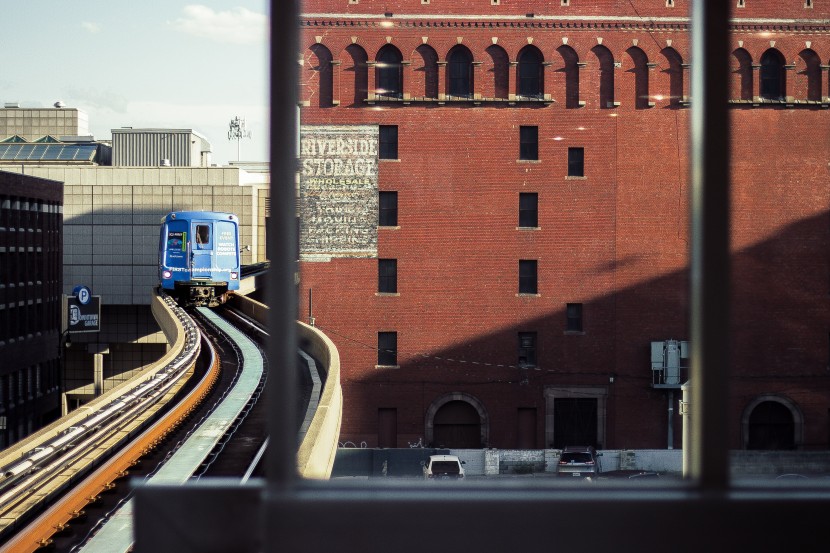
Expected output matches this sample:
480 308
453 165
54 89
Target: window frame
574 321
529 142
576 161
387 276
388 142
528 277
528 214
706 511
387 212
387 349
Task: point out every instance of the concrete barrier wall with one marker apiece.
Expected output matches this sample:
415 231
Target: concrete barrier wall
315 457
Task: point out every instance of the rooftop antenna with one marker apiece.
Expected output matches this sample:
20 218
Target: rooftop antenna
238 131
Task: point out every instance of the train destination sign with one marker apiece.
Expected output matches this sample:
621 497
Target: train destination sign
338 191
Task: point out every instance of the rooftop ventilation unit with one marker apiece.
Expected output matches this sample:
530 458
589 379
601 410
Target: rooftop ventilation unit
12 105
668 358
165 163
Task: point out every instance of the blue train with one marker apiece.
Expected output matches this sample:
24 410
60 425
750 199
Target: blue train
199 256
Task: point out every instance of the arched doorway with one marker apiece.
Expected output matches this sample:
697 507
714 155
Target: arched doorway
772 423
457 421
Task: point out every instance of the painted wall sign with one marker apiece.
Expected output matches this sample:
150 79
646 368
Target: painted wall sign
338 191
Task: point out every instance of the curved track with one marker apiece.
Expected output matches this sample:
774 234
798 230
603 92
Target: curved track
70 490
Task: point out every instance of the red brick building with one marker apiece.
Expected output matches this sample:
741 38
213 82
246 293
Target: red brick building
520 278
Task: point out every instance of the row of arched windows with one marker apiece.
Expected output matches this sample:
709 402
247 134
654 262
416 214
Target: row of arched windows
599 79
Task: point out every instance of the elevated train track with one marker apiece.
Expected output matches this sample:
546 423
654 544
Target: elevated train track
120 432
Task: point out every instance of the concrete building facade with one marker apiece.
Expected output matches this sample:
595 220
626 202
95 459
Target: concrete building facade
529 286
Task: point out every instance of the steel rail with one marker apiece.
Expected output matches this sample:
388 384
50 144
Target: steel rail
39 532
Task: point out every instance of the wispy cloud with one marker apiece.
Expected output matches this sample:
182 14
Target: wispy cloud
236 26
91 27
90 98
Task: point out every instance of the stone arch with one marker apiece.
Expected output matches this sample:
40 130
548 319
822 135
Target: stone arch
356 88
530 76
808 76
320 77
425 72
741 85
605 60
499 66
446 399
772 422
570 75
637 77
773 80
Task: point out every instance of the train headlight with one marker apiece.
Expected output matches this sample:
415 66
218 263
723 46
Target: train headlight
234 275
167 274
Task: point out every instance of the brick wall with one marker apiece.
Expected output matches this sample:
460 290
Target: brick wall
615 241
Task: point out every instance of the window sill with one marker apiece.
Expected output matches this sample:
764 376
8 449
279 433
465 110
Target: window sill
569 177
390 227
528 228
387 366
528 295
574 333
388 294
389 160
528 161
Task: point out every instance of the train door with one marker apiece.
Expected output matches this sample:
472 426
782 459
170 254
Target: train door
201 255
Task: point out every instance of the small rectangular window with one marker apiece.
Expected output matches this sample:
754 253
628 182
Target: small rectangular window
527 349
527 276
574 317
576 162
388 142
388 206
528 142
388 348
528 209
388 276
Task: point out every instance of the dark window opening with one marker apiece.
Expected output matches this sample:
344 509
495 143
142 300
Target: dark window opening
387 348
202 234
527 349
772 75
530 73
388 206
527 276
576 162
460 72
388 142
389 72
388 276
528 142
574 317
528 209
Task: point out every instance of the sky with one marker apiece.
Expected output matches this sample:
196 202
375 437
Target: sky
145 64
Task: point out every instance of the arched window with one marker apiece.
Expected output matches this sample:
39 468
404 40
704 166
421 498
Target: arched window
808 76
771 426
531 76
605 62
389 73
425 72
320 80
638 73
356 88
460 72
570 71
500 68
772 75
741 86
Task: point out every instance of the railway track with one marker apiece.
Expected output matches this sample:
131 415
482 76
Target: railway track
226 386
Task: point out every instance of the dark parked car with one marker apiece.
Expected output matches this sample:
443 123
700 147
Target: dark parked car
579 462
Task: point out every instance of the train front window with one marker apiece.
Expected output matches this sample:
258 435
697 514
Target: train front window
202 235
